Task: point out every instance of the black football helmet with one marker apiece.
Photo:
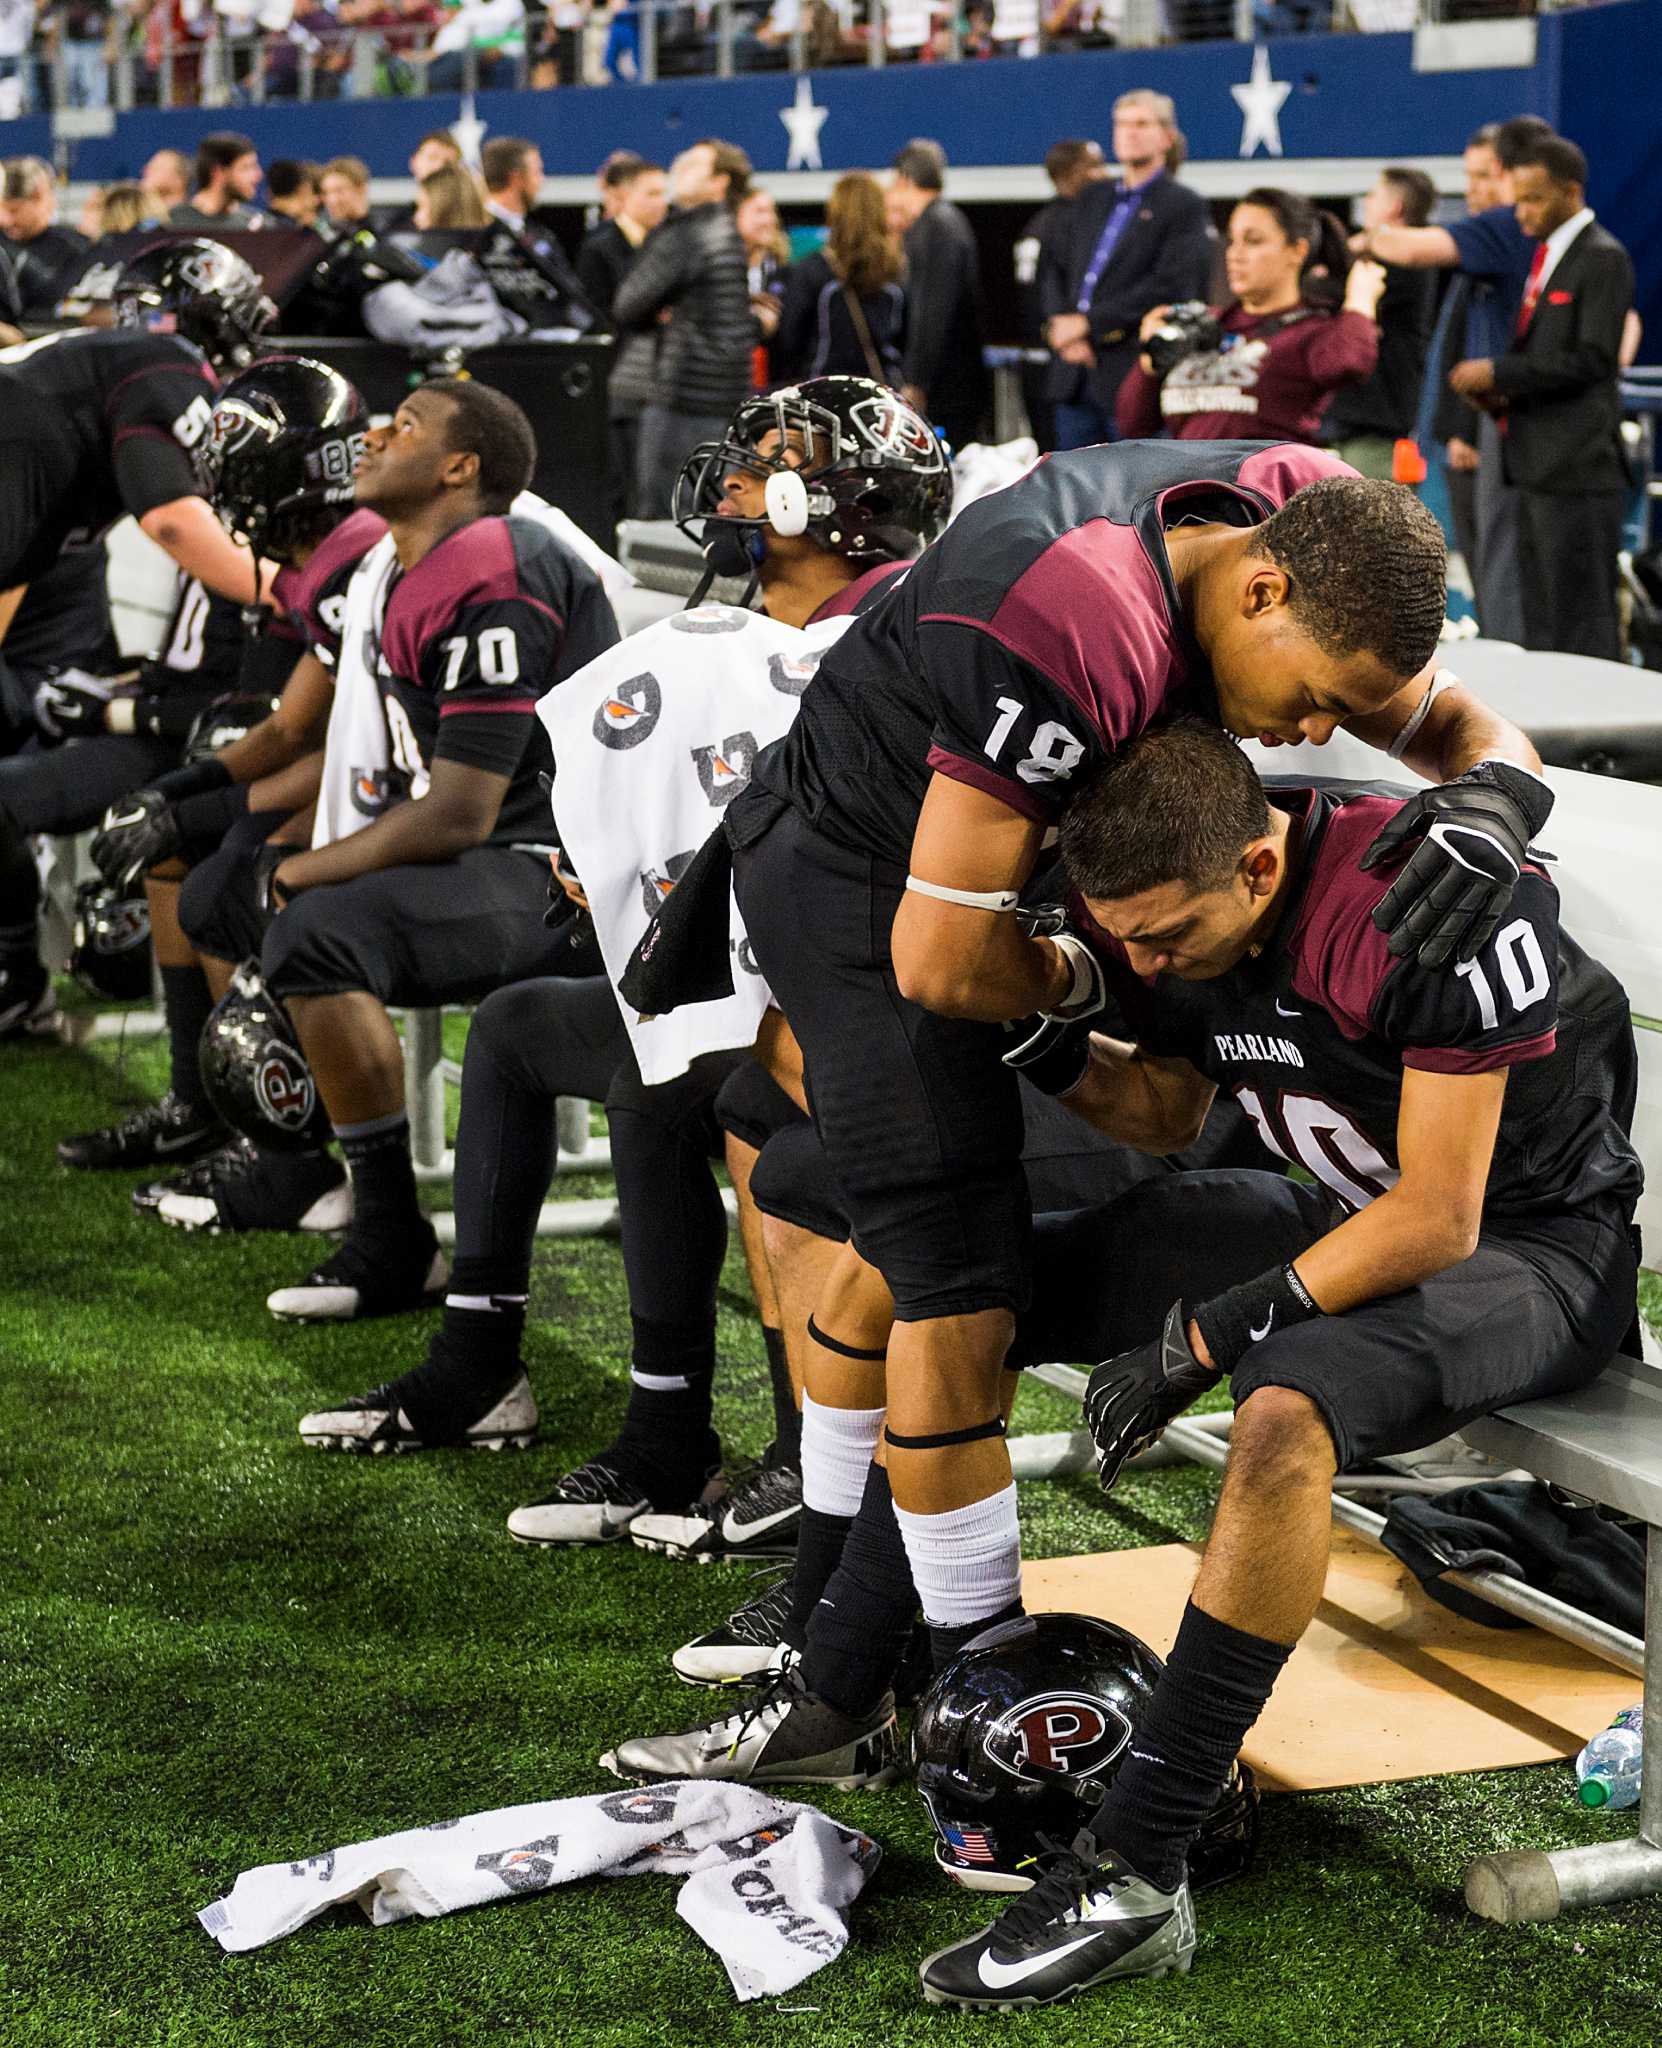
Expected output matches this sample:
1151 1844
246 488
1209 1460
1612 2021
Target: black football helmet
281 450
254 1071
201 290
876 484
111 955
1019 1737
226 719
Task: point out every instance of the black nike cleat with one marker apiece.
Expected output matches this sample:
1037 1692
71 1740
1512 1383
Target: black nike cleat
195 1178
749 1645
597 1502
264 1191
758 1519
165 1133
1086 1921
28 1008
362 1280
377 1422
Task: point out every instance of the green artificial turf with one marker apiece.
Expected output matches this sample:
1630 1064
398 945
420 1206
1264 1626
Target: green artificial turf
219 1649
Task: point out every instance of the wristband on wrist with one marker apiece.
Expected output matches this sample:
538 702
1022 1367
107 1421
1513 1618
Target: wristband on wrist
1232 1323
195 778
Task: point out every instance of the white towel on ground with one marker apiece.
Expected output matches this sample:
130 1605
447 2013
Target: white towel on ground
767 1880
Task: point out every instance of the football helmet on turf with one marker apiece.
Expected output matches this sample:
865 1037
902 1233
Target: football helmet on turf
254 1072
111 954
874 482
1019 1737
200 290
285 438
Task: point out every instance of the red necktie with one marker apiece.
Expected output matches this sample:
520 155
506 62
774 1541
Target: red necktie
1532 290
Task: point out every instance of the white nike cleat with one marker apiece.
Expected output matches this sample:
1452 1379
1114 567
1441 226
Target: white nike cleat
374 1422
784 1735
749 1646
758 1519
1086 1920
353 1283
594 1504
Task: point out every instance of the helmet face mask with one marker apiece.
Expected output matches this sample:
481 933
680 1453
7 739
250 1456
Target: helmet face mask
278 458
1017 1741
224 721
200 290
112 952
869 480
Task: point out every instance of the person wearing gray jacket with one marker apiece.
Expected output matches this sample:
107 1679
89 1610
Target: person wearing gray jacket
689 285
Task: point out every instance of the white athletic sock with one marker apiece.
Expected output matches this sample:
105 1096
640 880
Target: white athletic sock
966 1563
837 1444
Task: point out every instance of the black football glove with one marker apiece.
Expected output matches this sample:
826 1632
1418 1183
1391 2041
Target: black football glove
1130 1399
71 704
137 834
268 892
1455 889
1051 1053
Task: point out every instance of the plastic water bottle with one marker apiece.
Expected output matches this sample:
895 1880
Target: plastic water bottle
1608 1768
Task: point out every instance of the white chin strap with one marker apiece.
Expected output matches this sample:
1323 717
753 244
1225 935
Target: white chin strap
786 498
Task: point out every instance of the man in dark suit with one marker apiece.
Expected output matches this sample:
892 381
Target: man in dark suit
1554 393
942 373
1070 166
1130 243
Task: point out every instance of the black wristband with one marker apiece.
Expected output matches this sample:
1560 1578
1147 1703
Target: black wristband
195 778
1232 1323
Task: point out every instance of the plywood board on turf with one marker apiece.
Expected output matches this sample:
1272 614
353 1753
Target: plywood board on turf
1386 1684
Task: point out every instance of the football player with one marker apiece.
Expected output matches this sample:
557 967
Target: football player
468 616
278 458
1462 1241
881 849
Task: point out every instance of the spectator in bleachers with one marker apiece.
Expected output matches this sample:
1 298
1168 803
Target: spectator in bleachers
84 29
690 282
493 30
345 189
1137 241
1365 421
449 198
166 183
43 254
636 194
1284 341
942 373
1554 389
17 64
227 178
1070 166
844 311
296 191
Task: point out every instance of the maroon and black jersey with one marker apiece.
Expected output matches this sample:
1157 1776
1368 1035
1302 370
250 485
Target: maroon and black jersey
500 611
1312 1037
1039 633
311 602
96 422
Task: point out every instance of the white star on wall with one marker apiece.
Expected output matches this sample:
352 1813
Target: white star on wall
1260 101
803 121
469 132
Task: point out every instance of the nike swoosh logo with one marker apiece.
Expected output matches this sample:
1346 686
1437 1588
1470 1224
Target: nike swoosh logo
1000 1976
177 1144
1280 1012
735 1531
1258 1336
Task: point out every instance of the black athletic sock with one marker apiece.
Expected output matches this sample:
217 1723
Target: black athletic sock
19 889
859 1630
819 1551
945 1643
787 1417
666 1427
186 1003
384 1205
484 1318
1214 1687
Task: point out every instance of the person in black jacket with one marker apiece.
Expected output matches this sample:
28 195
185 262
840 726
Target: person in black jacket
1129 244
1365 421
45 257
690 282
639 195
942 373
1555 392
1070 165
844 312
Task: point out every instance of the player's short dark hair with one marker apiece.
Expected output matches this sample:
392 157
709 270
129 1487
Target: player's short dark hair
1178 803
485 423
443 137
1484 137
922 163
1064 158
502 158
218 152
290 174
1520 133
1368 567
1415 191
729 161
623 167
1563 163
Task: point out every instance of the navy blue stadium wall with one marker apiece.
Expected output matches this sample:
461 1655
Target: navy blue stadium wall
1349 97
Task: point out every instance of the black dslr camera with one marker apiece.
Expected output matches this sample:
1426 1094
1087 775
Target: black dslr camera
1189 329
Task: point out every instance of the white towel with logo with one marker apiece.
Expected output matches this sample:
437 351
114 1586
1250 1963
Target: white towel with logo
768 1881
364 773
651 743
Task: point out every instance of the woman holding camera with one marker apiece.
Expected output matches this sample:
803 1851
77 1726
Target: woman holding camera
1300 323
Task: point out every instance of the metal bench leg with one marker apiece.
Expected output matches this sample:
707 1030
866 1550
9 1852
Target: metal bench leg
1530 1884
424 1087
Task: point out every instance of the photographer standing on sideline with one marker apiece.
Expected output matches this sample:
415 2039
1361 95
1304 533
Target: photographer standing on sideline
1263 366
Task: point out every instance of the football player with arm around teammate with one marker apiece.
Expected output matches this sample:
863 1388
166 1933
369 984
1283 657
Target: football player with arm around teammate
470 616
880 853
277 458
1463 1242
